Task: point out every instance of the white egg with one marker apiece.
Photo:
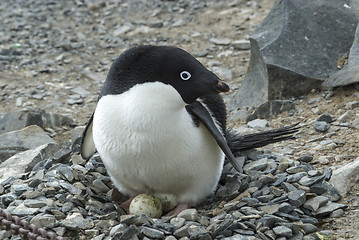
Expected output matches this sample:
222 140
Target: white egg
168 201
146 204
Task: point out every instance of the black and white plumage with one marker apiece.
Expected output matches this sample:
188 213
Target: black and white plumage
160 125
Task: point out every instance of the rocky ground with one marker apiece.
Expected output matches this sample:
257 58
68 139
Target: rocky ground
54 56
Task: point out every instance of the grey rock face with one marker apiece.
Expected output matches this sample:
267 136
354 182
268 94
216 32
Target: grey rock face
17 141
25 161
19 119
350 73
343 178
289 53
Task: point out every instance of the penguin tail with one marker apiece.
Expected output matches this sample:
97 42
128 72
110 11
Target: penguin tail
238 142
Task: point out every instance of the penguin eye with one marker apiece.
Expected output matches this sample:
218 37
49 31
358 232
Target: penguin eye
185 75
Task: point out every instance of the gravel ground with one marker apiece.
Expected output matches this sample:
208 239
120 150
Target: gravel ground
54 55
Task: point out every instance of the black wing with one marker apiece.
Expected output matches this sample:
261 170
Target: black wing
198 110
87 148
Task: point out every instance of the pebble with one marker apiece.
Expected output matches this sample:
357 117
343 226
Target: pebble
241 44
297 198
178 222
258 123
189 214
283 231
325 118
321 126
220 41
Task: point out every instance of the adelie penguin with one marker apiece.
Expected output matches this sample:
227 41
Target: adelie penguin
160 126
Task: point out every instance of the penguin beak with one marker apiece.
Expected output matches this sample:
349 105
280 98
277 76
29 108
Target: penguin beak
221 87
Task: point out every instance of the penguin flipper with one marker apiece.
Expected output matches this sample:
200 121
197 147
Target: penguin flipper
202 114
87 148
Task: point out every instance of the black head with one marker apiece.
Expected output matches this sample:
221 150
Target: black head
169 65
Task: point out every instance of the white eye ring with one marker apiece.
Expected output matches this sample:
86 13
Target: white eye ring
185 75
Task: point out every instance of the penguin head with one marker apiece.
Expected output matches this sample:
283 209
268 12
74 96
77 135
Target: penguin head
169 65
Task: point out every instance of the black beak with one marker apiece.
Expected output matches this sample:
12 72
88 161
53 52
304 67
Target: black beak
221 87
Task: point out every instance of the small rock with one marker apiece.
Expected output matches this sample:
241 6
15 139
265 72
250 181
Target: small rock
283 231
241 44
309 228
325 118
321 126
352 105
223 73
220 41
44 220
76 221
178 222
337 213
151 233
297 198
189 214
122 30
305 158
258 123
315 203
328 209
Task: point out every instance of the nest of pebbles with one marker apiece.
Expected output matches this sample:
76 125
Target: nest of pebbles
274 198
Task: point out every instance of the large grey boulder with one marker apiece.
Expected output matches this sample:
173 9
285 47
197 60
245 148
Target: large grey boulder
295 49
17 120
350 73
345 177
24 162
17 141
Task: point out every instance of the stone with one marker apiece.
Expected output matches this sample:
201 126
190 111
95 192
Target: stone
268 109
275 72
321 126
77 221
190 214
21 140
241 44
328 209
220 41
256 165
24 161
178 222
283 231
348 74
258 123
309 228
44 220
297 198
296 177
151 232
352 105
344 177
22 210
181 232
324 160
315 203
345 117
305 157
223 73
35 203
308 181
337 213
325 118
122 30
20 119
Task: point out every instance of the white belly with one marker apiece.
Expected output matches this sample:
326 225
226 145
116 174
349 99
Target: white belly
148 143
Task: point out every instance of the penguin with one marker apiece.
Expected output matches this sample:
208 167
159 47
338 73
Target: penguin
160 126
